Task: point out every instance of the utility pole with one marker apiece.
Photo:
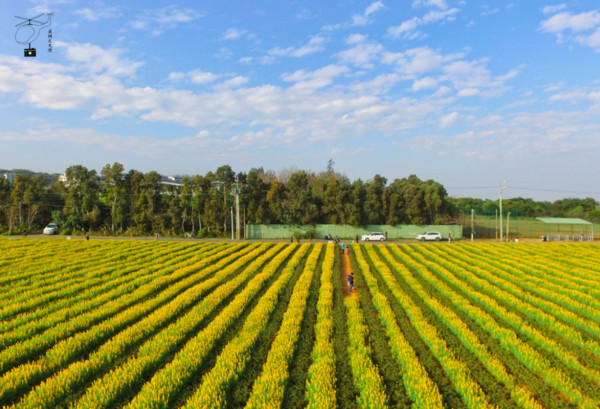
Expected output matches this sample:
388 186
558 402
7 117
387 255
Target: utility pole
472 212
236 192
220 184
496 224
502 187
231 222
508 226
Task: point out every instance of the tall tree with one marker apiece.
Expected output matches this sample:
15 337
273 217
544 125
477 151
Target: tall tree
113 193
34 199
374 204
277 197
435 201
355 208
254 195
301 207
82 186
6 203
395 203
414 198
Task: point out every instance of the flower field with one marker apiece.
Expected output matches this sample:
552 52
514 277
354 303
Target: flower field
157 324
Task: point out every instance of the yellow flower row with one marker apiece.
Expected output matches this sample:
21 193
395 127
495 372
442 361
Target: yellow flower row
506 337
552 302
557 268
321 382
119 282
521 395
166 383
232 360
268 388
17 380
456 370
365 373
552 324
422 391
21 261
32 310
106 390
20 351
574 261
67 281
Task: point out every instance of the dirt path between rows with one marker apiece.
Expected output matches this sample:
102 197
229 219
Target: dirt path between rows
344 271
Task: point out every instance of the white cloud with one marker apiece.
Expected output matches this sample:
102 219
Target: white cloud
521 135
358 19
311 81
362 54
373 7
449 120
46 6
437 15
234 34
314 45
583 28
157 21
97 60
472 77
554 9
195 76
405 26
100 13
441 4
424 83
234 82
407 29
574 22
416 61
263 60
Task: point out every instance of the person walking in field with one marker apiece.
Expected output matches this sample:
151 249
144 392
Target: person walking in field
350 282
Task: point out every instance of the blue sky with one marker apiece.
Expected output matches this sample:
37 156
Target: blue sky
469 93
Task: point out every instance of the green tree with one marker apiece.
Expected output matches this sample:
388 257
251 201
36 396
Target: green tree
301 208
414 197
113 193
82 187
374 203
6 203
254 195
355 214
33 199
336 199
435 202
277 197
395 203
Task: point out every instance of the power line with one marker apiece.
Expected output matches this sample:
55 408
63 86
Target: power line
525 188
553 190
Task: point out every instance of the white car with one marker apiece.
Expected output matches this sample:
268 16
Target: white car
430 236
375 236
52 228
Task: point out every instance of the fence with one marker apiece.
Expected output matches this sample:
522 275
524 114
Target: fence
318 231
488 227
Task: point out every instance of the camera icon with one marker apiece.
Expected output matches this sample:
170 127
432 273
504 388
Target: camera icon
30 52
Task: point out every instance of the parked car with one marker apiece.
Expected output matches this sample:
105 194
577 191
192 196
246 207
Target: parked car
374 236
430 236
52 228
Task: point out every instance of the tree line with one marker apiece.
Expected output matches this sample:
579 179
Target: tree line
136 203
586 208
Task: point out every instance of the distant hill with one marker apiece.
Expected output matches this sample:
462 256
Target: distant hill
48 177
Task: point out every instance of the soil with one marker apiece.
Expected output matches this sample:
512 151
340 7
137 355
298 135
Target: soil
345 270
